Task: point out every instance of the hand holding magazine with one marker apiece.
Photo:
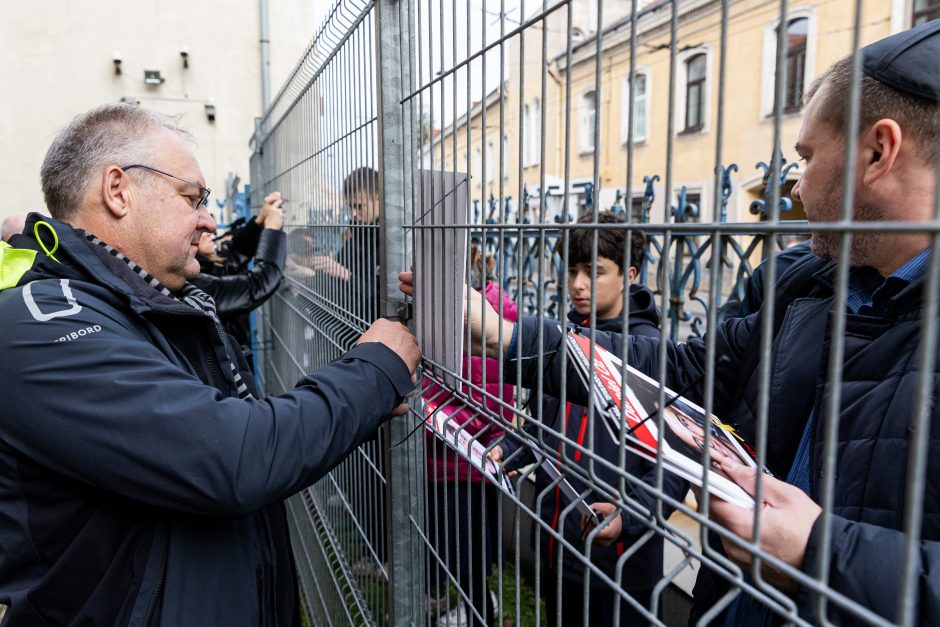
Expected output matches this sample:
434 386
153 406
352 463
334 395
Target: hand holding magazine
635 418
461 440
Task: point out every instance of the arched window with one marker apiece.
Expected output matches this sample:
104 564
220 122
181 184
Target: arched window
796 37
586 126
695 68
798 51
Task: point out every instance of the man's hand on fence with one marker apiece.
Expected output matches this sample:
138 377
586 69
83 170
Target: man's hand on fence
787 518
610 532
398 338
484 322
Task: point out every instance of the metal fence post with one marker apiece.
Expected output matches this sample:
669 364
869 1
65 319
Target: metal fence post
404 456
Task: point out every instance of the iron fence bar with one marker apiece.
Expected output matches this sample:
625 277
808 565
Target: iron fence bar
396 153
837 334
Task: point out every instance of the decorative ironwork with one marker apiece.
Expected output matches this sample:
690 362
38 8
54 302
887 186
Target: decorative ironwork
773 184
689 261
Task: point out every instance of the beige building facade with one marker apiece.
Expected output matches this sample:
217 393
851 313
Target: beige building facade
61 58
548 106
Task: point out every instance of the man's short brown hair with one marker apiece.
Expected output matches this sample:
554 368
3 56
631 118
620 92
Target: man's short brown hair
917 117
361 180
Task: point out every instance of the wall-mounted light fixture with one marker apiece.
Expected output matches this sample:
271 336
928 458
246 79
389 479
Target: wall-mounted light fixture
116 59
152 77
184 53
210 111
130 100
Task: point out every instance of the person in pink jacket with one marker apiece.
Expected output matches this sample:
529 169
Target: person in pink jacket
462 503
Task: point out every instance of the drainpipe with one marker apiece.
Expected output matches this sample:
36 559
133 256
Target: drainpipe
265 57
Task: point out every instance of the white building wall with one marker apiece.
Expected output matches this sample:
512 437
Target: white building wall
56 60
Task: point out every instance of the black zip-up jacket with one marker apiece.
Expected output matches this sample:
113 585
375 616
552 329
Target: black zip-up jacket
241 293
878 395
136 488
644 568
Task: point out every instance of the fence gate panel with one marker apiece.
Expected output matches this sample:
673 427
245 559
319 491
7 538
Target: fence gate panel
629 164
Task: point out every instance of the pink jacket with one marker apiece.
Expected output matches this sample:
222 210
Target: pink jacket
445 464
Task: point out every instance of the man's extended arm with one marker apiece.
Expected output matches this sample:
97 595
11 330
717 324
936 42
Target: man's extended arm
111 409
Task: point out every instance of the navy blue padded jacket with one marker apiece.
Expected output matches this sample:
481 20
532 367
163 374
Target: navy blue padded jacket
136 488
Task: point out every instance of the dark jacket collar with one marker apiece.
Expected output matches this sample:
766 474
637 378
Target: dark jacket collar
644 316
79 259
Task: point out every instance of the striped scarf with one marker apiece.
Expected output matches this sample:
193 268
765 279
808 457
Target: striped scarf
192 296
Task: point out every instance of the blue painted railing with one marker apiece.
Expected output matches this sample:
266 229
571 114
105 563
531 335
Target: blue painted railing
686 265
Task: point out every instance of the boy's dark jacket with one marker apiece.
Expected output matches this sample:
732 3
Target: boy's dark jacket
136 488
644 568
879 386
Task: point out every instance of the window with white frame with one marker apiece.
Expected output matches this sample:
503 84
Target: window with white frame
796 34
924 11
534 130
592 15
799 50
640 108
490 154
478 166
588 113
696 85
532 133
526 135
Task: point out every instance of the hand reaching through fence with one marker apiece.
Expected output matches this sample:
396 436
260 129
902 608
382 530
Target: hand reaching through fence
787 519
483 319
610 532
329 266
399 339
496 454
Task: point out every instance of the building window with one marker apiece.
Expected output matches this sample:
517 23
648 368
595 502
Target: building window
640 108
636 210
532 129
478 166
489 161
526 135
695 93
924 11
592 15
796 33
693 202
799 50
588 114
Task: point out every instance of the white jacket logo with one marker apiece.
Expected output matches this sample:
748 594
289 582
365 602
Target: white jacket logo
73 308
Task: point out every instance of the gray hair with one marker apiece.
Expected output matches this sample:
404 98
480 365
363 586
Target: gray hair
112 134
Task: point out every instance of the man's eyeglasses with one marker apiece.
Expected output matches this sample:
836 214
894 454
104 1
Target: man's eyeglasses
203 200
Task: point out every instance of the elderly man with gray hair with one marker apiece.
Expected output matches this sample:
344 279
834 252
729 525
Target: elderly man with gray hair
141 475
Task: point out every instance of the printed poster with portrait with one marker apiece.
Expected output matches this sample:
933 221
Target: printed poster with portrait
634 419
